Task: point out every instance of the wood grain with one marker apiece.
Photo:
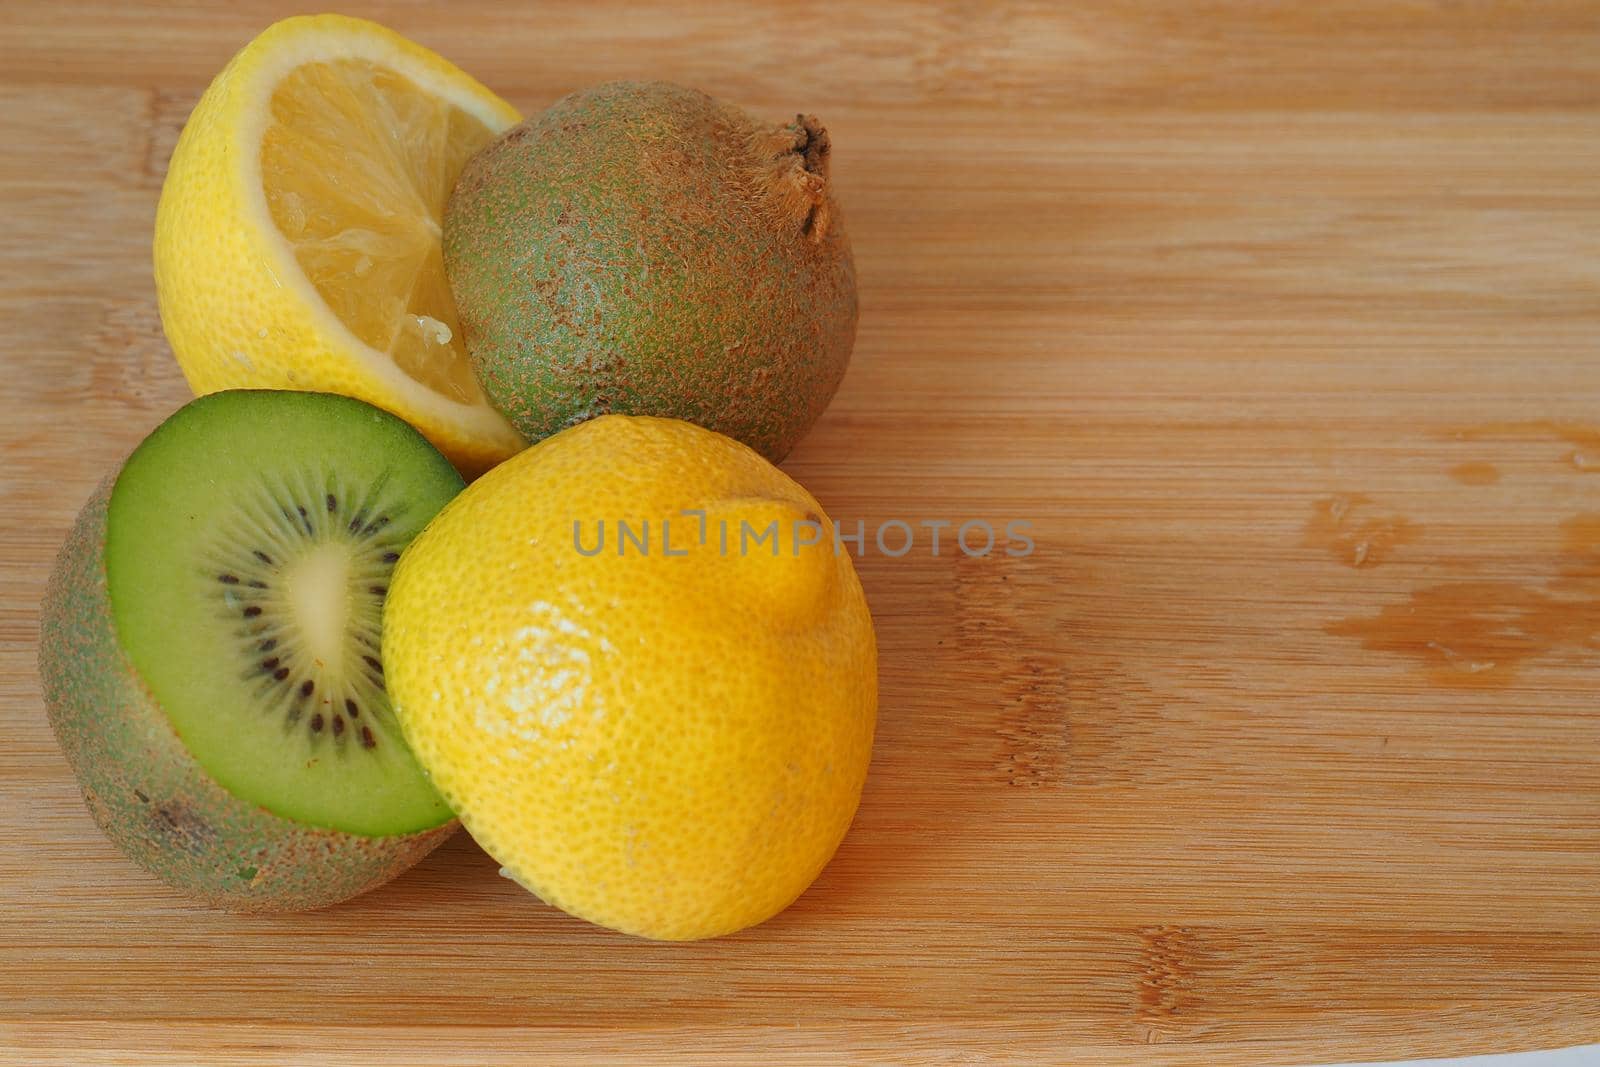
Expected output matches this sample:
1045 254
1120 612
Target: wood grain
1279 322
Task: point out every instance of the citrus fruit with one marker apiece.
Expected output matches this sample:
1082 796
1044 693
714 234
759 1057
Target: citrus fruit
669 741
297 237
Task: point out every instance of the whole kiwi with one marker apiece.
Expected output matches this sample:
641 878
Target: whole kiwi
643 248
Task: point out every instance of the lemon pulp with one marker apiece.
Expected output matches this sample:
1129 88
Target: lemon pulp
356 163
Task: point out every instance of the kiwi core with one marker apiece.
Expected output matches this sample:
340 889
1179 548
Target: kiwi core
319 597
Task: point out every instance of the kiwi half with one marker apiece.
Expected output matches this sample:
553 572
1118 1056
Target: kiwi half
210 649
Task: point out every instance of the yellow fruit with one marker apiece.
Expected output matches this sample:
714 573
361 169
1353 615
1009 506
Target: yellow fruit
668 745
297 238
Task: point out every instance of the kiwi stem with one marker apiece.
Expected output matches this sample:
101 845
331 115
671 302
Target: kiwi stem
794 161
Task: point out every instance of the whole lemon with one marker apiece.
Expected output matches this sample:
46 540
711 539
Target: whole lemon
640 667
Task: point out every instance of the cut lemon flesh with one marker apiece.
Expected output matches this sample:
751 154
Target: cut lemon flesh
297 241
356 165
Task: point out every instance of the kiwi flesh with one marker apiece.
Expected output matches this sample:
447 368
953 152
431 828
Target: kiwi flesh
645 249
209 649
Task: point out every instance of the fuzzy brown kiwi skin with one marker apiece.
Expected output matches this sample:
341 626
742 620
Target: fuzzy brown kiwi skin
150 796
642 248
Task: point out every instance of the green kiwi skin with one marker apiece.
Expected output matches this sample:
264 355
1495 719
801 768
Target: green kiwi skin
150 796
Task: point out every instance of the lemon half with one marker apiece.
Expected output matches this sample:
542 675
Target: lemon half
297 237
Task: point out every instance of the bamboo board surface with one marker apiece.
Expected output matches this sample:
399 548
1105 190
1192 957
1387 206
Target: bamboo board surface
1278 322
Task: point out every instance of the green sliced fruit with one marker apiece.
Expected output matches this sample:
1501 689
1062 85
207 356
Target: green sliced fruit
210 649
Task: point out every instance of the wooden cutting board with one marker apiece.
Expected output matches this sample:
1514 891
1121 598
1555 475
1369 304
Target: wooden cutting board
1280 324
